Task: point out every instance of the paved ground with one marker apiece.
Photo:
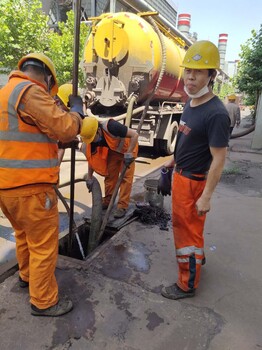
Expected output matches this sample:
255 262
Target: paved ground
116 292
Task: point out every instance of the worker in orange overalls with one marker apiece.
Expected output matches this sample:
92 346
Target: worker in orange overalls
107 146
30 126
199 159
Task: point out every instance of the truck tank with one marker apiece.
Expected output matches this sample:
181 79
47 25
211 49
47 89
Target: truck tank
128 58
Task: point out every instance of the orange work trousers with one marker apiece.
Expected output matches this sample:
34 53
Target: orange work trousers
188 230
33 213
114 166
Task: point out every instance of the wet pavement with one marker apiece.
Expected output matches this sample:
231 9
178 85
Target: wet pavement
116 292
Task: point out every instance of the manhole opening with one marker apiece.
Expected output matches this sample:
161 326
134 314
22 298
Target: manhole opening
83 233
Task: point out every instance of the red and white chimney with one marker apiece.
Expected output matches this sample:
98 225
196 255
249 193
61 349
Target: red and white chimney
222 47
184 21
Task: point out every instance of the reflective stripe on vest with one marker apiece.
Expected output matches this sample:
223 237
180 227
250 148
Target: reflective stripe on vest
186 260
189 250
23 147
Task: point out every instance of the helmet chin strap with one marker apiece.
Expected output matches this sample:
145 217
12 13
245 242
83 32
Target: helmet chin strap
48 81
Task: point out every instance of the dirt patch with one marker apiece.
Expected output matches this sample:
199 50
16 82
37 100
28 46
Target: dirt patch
244 176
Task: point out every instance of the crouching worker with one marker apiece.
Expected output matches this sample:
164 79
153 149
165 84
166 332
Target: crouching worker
107 146
31 124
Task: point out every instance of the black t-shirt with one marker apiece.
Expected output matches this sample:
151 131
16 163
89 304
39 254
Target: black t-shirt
201 127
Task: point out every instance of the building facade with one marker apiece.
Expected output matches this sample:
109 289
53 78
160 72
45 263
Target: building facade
57 9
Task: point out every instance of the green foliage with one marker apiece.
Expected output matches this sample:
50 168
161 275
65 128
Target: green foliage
62 46
223 90
24 29
249 77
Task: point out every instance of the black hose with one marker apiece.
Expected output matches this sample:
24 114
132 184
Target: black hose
161 74
243 133
96 216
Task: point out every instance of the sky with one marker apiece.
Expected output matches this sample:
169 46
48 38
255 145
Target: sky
232 17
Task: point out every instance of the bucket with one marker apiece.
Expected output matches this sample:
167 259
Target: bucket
151 196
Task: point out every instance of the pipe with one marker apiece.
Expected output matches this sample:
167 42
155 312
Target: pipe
161 74
243 133
130 110
119 117
141 5
60 196
77 10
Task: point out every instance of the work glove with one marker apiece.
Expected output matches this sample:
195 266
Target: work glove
71 144
89 184
76 105
128 159
165 181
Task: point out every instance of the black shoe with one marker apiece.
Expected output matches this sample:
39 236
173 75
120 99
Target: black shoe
22 283
174 292
63 306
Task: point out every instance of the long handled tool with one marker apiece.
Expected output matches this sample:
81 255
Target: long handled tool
74 227
77 10
110 206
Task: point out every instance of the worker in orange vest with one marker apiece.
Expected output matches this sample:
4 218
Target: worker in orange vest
198 163
31 124
107 146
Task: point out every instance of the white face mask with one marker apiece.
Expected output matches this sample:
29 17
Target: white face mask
200 93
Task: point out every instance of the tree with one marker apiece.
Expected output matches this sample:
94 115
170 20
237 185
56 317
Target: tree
24 29
249 76
224 89
61 47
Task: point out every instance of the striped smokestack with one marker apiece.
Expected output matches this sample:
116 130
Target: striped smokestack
222 47
184 20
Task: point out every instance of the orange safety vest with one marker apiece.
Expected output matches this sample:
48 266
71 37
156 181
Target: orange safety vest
98 160
27 156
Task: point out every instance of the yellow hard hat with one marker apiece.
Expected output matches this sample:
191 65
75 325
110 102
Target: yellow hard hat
232 97
63 93
202 54
46 62
89 129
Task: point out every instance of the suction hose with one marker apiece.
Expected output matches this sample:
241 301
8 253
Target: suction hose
243 133
96 216
161 74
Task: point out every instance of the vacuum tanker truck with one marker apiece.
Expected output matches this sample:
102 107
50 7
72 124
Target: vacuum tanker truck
132 73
